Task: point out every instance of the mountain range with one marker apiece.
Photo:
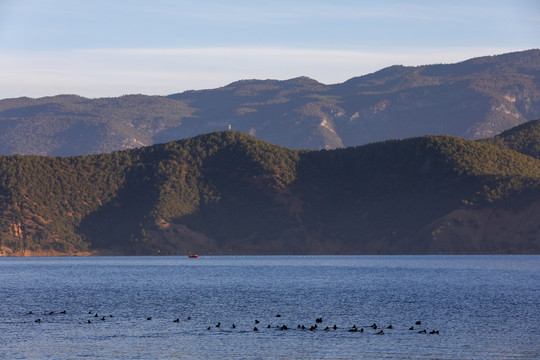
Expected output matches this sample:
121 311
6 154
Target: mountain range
474 99
231 193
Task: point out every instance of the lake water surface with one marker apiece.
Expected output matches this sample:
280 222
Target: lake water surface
484 307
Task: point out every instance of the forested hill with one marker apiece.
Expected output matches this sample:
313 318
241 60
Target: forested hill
524 139
229 193
474 99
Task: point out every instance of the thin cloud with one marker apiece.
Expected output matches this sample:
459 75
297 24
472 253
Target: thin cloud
114 72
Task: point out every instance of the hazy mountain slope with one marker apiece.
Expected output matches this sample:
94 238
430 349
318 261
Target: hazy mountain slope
231 193
71 125
474 99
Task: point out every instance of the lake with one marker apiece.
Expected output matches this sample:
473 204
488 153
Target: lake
483 307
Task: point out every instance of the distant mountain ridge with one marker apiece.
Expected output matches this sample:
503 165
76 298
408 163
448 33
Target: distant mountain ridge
474 99
230 193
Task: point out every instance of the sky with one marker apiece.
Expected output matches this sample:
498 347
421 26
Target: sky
104 48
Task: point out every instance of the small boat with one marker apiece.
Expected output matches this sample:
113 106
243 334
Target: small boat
192 256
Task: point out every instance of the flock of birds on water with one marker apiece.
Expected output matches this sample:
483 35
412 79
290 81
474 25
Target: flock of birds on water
316 326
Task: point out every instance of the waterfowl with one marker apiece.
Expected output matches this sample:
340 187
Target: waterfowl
110 315
284 327
96 315
278 315
418 323
268 327
89 322
233 326
218 324
303 327
256 321
255 329
434 332
312 328
189 317
353 329
411 328
38 320
326 328
208 328
335 327
389 327
89 312
63 312
176 320
51 313
422 331
374 326
30 313
149 318
103 318
318 320
380 333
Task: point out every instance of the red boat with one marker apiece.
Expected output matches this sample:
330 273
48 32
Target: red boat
193 256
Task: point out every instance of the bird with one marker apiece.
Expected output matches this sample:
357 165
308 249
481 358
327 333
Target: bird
38 320
255 329
256 321
374 326
278 315
51 313
103 318
284 327
326 328
89 322
176 320
380 333
318 320
434 332
110 315
208 328
389 327
30 313
422 331
218 324
96 315
335 327
233 326
411 328
268 327
418 323
149 318
63 312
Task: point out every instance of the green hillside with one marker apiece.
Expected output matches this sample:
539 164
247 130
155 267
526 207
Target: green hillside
524 139
230 193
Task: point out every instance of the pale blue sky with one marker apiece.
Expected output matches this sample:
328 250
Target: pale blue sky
109 48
